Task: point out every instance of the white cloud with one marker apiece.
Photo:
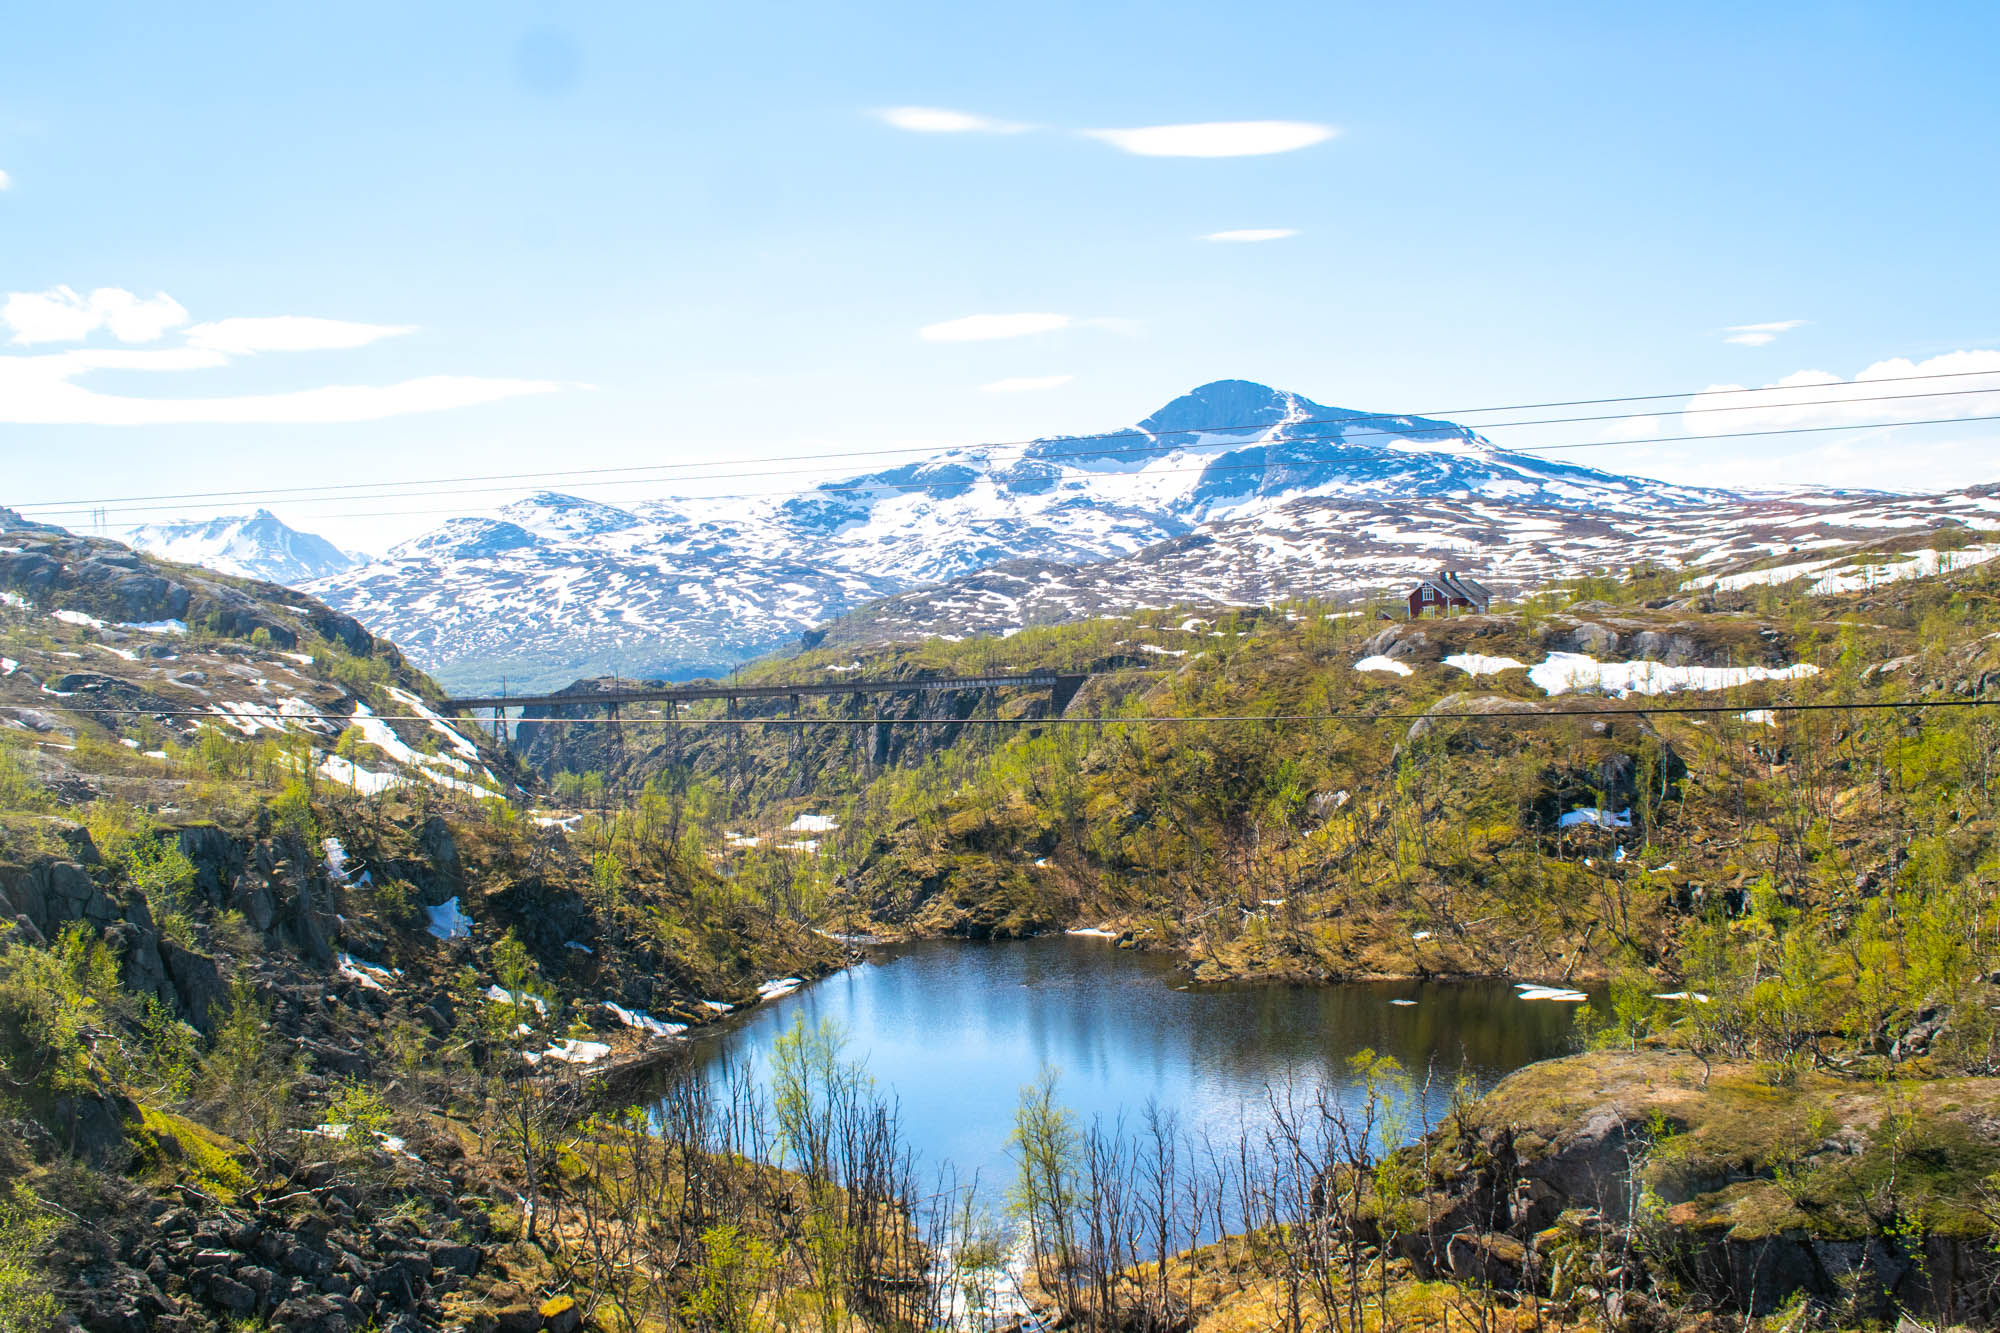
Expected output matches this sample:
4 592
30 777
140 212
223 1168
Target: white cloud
940 120
289 333
61 314
1757 335
5 180
1816 398
1244 235
1224 138
983 328
43 388
1027 383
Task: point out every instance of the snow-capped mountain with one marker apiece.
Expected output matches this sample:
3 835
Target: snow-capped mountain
557 587
257 546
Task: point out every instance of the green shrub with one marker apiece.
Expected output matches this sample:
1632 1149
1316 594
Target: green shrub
26 1303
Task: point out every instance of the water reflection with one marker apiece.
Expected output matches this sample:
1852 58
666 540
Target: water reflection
954 1029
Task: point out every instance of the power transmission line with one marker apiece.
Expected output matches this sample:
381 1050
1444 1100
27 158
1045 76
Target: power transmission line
416 488
1086 480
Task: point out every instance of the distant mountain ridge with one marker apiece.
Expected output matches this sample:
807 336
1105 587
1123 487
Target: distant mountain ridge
255 546
558 587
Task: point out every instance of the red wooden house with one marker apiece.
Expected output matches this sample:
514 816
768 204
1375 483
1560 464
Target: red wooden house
1445 592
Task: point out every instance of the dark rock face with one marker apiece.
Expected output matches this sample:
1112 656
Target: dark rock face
197 983
344 630
436 842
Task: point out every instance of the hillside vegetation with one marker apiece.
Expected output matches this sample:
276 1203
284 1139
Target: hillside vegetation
323 1010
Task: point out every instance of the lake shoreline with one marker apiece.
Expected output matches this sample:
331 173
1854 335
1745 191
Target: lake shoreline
1219 971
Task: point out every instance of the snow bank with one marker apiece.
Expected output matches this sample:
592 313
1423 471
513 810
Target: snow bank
1599 818
1562 673
1529 990
350 774
811 824
77 618
368 975
571 1051
159 627
501 995
642 1021
771 990
1381 663
1479 664
1092 932
448 921
719 1006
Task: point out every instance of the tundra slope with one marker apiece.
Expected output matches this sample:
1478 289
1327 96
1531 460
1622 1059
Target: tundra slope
558 587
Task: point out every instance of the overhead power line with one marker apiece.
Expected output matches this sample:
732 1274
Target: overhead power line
301 494
908 486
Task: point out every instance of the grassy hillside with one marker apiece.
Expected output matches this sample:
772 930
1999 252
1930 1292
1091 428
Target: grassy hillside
299 1015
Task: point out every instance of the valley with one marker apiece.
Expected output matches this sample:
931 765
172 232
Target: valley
265 884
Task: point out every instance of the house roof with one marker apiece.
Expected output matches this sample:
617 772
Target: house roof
1457 585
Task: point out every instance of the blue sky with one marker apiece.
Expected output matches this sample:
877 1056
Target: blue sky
535 236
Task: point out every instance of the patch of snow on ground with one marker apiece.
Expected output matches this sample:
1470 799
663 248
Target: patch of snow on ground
160 627
1559 994
1562 673
1479 664
811 824
642 1021
77 618
448 921
720 1006
1092 932
368 975
1599 818
574 1051
500 995
350 774
1755 578
15 600
1381 663
1763 715
771 990
8 666
579 946
1913 565
336 860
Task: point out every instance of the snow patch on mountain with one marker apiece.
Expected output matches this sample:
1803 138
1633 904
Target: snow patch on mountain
254 546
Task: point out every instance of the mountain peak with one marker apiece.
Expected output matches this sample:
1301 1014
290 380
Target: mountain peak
258 545
1227 405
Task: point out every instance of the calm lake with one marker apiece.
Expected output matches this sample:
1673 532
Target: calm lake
953 1029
